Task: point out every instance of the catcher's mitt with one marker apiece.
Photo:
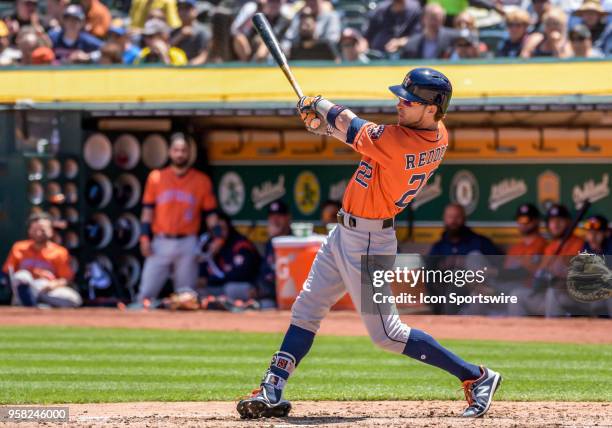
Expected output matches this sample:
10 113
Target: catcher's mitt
184 301
588 278
314 121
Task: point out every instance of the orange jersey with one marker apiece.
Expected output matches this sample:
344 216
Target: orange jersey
396 163
178 200
52 258
526 255
571 247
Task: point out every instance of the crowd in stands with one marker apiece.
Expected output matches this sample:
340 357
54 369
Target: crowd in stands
180 32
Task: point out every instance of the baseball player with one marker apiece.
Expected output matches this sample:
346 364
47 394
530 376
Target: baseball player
172 206
397 160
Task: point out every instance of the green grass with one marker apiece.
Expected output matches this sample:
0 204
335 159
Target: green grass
79 365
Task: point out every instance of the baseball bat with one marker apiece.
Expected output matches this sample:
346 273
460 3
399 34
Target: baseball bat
570 230
261 24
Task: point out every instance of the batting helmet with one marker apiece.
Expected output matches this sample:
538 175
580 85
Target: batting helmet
425 85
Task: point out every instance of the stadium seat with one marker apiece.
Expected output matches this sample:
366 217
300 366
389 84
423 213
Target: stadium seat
563 142
519 143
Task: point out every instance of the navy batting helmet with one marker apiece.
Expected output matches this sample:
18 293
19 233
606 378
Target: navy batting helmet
427 86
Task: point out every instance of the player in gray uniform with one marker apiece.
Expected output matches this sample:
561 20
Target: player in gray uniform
397 161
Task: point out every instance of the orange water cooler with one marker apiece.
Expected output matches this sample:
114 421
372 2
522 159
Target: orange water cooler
294 257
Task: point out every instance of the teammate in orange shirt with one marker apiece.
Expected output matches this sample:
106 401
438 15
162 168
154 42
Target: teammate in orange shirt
552 270
39 269
173 202
525 256
397 160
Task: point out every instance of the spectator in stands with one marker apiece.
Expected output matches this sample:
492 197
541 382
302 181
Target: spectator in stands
55 12
191 37
279 224
329 212
593 16
43 56
97 17
604 44
435 40
553 41
221 41
155 36
230 262
327 24
458 248
454 7
582 45
539 9
140 12
465 46
27 41
308 46
72 44
597 240
353 46
466 21
517 22
8 54
25 15
246 42
118 35
111 53
391 23
39 270
552 270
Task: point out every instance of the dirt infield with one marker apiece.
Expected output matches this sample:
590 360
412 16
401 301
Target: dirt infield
343 323
343 414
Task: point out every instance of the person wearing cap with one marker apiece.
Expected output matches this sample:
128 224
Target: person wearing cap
279 224
523 258
43 56
552 270
118 35
582 44
141 9
392 23
517 23
230 262
558 302
353 46
434 41
593 16
191 36
72 44
97 17
8 54
155 36
465 46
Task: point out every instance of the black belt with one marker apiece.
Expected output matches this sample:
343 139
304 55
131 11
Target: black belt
170 236
352 221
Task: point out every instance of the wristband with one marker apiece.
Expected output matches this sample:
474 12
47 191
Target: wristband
145 230
333 113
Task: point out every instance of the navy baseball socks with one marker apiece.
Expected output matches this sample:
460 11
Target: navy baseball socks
267 400
479 383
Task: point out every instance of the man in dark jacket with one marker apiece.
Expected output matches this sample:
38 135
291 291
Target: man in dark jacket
230 261
434 41
459 248
391 23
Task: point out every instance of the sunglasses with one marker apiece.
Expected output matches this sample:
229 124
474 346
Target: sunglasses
593 224
407 103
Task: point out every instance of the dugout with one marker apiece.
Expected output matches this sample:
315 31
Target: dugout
80 141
